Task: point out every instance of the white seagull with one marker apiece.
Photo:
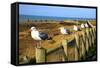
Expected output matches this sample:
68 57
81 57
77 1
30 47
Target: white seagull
86 25
76 28
36 35
64 30
82 26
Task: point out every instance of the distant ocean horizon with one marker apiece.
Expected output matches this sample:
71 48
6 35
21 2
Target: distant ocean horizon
23 18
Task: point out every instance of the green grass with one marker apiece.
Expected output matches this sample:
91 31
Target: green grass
92 53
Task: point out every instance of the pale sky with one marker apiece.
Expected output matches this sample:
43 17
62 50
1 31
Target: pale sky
55 11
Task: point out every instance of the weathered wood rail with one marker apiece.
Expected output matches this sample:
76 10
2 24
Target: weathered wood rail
73 50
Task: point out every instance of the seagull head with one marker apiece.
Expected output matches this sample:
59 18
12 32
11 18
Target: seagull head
33 28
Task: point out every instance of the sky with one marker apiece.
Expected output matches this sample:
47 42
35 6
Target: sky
55 11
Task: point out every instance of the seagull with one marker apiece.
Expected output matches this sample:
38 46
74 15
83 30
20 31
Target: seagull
64 30
36 35
76 28
82 26
86 25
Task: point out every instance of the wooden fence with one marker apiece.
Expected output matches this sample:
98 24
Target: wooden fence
71 50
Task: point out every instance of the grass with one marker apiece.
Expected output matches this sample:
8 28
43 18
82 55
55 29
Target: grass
91 55
27 44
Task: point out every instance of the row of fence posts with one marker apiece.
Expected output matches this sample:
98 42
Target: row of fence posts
74 50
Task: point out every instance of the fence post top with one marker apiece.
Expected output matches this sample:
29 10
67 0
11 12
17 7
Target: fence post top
64 42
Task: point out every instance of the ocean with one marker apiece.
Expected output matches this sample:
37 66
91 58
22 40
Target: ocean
23 18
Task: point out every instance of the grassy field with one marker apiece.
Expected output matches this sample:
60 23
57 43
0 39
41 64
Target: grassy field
27 44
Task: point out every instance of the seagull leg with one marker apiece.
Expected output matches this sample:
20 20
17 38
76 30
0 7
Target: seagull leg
39 44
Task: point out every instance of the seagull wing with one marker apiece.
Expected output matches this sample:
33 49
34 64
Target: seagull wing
43 36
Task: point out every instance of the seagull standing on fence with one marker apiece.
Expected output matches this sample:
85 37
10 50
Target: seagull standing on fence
39 36
76 28
64 30
82 26
86 25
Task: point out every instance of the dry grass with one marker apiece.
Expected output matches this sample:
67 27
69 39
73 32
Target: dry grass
27 44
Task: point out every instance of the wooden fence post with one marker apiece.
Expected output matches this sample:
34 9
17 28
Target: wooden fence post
76 53
64 44
90 37
64 58
70 49
82 47
87 40
83 43
40 54
93 34
77 40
